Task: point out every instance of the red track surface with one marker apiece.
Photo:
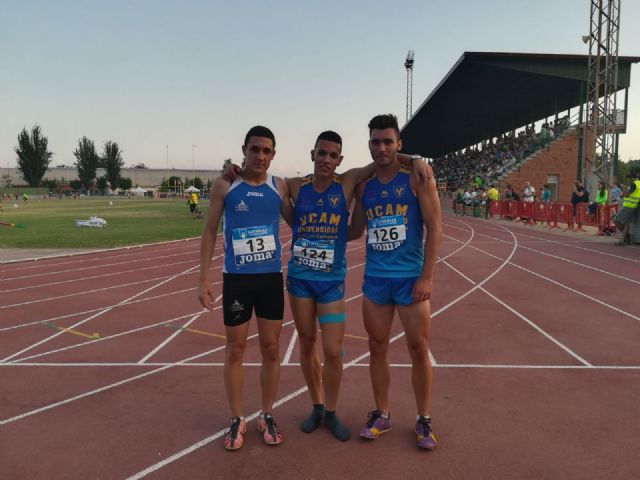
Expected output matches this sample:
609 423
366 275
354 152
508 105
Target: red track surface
535 340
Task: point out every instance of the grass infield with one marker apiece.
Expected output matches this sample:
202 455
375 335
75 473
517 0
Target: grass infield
130 221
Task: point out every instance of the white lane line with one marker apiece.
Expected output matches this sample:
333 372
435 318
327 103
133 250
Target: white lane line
93 267
108 309
617 256
566 287
292 343
84 279
297 364
605 272
85 292
66 256
119 383
172 336
524 319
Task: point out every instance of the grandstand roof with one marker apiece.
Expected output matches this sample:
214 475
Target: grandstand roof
486 94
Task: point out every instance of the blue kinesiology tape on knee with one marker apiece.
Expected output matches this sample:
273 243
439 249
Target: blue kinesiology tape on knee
332 318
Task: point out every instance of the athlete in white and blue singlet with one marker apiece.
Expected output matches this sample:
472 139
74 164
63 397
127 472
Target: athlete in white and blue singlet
399 270
252 278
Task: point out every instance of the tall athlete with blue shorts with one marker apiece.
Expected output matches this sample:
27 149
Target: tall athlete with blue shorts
252 275
395 208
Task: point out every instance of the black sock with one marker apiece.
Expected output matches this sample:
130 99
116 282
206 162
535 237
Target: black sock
334 425
312 421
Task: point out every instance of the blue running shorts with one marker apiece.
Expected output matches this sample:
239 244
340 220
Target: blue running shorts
322 291
385 291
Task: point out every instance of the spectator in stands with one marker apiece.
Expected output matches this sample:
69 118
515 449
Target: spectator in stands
616 193
629 211
529 192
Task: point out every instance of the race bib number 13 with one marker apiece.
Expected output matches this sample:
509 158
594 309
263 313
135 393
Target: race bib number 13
253 244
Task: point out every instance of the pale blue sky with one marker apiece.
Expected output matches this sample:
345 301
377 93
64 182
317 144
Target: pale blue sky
150 73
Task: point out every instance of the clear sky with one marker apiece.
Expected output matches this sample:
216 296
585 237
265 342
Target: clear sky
147 74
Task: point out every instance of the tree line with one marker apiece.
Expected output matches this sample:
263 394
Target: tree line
34 158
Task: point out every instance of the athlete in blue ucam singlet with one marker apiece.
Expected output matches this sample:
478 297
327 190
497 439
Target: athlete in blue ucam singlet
395 209
319 232
394 228
250 224
252 278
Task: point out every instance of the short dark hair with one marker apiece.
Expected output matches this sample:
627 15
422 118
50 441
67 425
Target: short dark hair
330 136
382 122
260 131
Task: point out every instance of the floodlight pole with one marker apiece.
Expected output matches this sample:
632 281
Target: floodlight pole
408 64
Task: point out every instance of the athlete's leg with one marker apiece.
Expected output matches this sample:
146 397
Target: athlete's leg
269 335
233 374
304 316
416 320
377 322
332 324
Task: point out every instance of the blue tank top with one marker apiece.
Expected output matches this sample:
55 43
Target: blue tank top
394 228
251 220
319 233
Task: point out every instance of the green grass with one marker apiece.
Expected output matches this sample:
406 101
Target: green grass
51 223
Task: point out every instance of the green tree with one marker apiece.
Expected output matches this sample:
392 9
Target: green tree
174 183
112 162
198 183
102 184
125 183
75 184
33 155
87 161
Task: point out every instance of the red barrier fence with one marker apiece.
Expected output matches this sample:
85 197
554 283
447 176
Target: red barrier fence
553 214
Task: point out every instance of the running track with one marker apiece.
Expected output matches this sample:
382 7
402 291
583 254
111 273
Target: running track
535 345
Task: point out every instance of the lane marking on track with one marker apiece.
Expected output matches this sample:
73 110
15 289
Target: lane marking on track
356 336
292 343
100 312
524 319
117 384
626 279
566 287
93 336
617 256
297 364
193 330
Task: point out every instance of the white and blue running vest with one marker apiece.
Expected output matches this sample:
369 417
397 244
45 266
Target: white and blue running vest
394 228
251 220
319 233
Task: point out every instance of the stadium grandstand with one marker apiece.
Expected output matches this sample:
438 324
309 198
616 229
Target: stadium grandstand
508 118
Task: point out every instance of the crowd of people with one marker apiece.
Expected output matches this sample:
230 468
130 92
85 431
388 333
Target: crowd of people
496 155
475 198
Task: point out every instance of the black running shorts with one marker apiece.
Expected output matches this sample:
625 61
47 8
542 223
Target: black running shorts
242 293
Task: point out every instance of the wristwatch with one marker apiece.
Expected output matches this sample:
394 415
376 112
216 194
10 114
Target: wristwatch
416 157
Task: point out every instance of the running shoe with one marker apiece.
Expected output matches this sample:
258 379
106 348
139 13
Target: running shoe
426 438
375 426
270 433
234 437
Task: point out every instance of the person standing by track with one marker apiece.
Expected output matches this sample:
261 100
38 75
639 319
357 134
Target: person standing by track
252 276
398 274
